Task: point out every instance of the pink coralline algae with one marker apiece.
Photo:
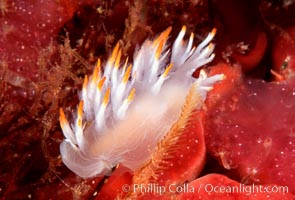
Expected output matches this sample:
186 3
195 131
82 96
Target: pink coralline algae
252 131
26 28
28 37
241 136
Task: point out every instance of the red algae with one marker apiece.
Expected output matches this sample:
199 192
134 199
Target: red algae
26 28
47 46
283 54
216 186
254 128
112 187
250 59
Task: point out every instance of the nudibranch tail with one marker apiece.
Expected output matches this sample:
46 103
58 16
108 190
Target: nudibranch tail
126 109
152 169
162 160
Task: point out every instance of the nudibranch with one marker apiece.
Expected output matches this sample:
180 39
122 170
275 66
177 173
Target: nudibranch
126 109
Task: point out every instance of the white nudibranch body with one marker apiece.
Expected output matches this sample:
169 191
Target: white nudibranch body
127 109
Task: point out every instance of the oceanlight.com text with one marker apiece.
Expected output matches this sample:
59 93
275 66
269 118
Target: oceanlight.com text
207 188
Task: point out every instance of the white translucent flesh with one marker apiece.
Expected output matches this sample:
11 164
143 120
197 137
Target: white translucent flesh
120 127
